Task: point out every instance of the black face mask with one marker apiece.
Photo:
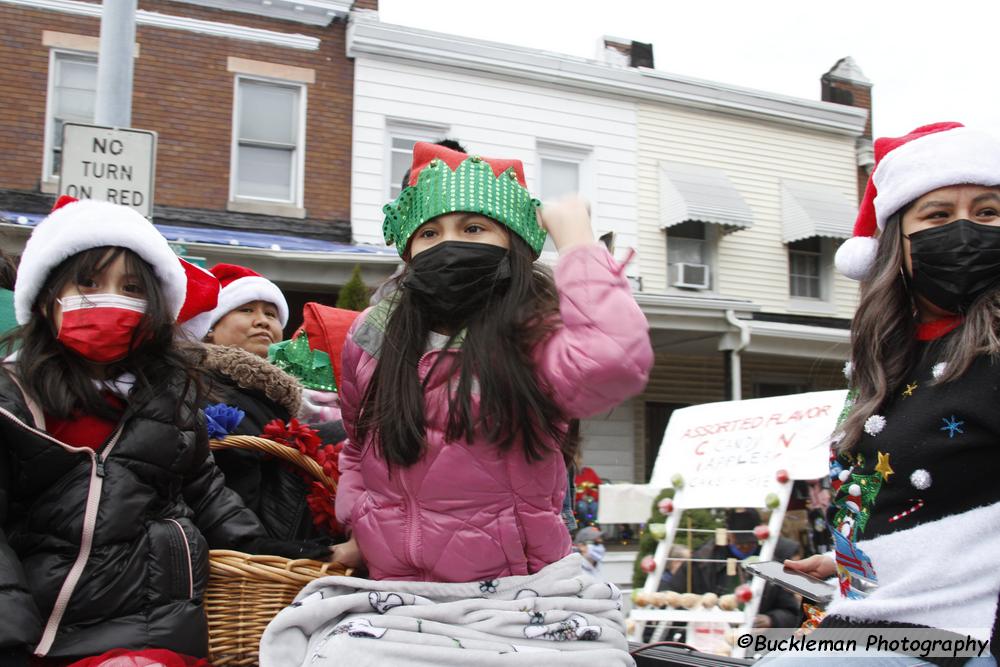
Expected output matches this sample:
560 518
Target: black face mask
954 264
454 279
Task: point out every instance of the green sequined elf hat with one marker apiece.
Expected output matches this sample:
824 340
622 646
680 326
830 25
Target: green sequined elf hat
445 181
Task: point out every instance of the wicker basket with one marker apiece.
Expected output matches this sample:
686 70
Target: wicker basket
245 592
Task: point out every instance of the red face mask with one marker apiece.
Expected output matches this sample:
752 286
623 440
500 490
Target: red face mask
99 327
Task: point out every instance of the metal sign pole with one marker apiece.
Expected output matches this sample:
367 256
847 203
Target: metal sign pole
113 106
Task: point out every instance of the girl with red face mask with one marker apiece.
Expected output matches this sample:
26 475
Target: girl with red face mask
109 497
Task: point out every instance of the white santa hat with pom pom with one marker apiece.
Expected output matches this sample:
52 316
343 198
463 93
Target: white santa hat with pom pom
74 226
908 167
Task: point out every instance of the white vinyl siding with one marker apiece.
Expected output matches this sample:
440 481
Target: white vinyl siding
756 156
494 117
607 443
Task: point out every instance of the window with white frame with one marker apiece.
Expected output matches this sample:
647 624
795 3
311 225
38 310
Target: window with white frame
689 254
401 139
561 171
267 141
71 99
805 268
400 159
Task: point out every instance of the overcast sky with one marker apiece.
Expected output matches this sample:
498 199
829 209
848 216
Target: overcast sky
928 62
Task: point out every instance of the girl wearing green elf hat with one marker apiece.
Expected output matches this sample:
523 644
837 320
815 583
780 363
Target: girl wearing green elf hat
458 387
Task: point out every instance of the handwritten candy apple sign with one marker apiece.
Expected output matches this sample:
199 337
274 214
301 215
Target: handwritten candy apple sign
730 453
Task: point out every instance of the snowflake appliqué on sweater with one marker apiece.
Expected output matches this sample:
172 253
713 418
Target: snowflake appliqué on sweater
952 425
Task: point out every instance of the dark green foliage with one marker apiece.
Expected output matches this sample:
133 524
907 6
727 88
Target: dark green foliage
700 518
354 294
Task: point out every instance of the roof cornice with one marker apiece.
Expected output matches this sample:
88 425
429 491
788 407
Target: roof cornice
157 20
369 37
309 12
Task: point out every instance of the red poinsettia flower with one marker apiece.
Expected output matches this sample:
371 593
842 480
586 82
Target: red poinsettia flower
321 504
306 440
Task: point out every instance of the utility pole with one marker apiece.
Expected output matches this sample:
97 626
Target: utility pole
115 64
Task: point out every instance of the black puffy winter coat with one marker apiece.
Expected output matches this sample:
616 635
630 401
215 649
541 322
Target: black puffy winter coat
268 487
109 548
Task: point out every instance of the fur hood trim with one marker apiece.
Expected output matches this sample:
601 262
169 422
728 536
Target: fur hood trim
249 371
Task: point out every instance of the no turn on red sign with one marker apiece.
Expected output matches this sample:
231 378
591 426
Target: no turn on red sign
109 164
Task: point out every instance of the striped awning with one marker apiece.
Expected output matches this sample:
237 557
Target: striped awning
690 192
815 209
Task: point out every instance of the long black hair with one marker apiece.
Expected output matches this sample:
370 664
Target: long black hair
61 381
496 355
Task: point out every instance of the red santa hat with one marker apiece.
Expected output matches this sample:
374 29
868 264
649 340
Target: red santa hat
906 168
200 300
853 500
74 226
241 285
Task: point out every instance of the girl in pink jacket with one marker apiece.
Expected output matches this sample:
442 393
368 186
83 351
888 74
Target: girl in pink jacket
458 387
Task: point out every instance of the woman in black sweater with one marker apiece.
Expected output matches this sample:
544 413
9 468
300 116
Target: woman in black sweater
916 505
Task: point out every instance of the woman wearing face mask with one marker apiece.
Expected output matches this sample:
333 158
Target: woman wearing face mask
916 505
109 497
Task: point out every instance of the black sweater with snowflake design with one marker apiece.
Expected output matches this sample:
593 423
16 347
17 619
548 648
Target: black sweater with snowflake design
918 500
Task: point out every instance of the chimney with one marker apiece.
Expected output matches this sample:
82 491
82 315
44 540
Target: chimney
846 84
627 53
371 5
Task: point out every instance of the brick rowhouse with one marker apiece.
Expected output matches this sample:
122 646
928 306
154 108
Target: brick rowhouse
183 90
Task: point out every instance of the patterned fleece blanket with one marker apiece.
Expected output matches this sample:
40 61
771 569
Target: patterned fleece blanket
558 616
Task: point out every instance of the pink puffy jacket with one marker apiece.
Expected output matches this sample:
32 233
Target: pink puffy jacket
467 511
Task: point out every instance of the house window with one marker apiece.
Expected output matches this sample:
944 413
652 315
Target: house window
557 177
805 268
267 162
400 160
71 98
689 255
402 136
564 169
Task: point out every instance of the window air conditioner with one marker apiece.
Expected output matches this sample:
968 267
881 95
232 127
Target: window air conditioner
690 276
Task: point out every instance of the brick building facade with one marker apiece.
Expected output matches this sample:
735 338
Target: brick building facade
252 104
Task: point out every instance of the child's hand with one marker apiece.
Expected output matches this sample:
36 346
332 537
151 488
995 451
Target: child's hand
567 220
347 554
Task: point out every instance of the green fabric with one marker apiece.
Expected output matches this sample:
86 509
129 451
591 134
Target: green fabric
7 319
852 396
473 188
311 367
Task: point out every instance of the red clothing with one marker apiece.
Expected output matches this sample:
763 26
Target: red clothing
937 328
82 430
153 657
